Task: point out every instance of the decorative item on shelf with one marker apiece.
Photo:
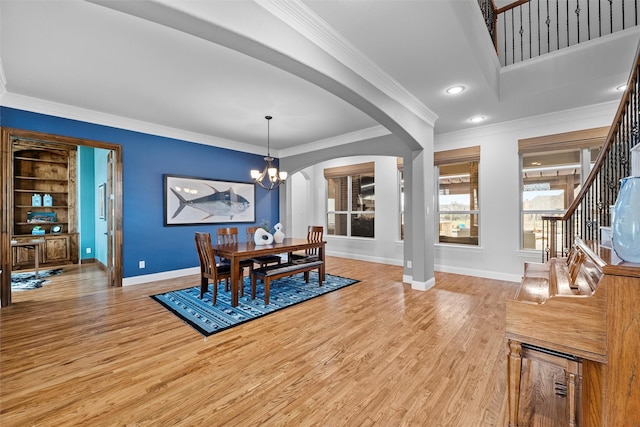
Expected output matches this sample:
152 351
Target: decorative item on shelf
41 217
271 172
266 225
262 237
278 236
37 230
36 200
625 229
56 229
47 200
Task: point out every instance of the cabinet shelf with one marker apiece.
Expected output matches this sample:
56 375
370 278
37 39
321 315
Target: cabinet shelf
45 167
41 223
33 159
35 178
41 207
38 191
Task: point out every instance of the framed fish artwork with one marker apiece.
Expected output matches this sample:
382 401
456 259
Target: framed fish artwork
191 200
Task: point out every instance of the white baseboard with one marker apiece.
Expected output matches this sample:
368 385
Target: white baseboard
495 275
137 280
378 260
423 286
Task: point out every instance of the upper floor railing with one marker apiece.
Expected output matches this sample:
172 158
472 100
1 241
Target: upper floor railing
590 209
526 29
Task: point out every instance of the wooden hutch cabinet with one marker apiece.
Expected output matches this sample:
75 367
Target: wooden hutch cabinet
44 197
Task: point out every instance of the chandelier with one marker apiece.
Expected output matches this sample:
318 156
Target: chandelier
270 173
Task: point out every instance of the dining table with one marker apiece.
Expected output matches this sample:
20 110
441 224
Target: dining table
235 252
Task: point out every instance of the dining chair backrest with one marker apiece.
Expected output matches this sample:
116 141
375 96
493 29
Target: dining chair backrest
263 260
206 256
251 231
314 234
227 235
208 268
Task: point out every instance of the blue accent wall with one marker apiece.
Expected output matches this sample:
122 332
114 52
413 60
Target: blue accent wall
146 158
100 176
86 202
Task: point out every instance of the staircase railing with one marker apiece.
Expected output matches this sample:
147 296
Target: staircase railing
525 29
590 209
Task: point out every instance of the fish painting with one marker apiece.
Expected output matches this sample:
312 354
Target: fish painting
218 203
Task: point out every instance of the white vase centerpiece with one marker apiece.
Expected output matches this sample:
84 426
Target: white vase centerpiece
278 236
262 237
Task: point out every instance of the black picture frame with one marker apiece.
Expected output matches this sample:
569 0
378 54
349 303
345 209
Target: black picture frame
192 200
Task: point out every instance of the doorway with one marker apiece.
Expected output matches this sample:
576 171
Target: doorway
112 202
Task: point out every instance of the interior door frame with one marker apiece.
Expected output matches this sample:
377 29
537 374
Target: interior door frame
6 199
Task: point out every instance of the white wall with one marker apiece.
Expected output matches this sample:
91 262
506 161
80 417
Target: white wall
386 247
498 256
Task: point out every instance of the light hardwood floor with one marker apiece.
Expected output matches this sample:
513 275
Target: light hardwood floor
374 353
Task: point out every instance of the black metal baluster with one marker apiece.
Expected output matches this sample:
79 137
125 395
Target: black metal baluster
567 3
513 38
504 26
548 21
588 21
600 18
577 19
521 32
539 39
610 16
530 33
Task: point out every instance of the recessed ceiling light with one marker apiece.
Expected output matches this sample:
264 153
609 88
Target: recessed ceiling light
476 119
453 90
622 87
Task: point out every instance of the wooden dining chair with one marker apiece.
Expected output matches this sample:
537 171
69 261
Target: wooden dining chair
262 260
315 233
229 236
209 269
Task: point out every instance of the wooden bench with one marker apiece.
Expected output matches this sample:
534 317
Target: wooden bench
273 272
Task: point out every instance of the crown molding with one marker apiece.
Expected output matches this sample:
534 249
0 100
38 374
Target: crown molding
3 80
302 19
42 106
65 111
347 138
593 113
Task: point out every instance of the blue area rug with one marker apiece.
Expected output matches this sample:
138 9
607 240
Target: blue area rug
209 319
27 280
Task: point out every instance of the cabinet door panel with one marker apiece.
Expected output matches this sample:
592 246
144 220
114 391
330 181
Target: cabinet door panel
56 249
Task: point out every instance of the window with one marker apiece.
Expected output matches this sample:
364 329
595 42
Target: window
552 176
351 200
457 203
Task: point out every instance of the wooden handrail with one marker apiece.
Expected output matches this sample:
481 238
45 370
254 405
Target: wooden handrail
588 210
520 33
510 6
617 121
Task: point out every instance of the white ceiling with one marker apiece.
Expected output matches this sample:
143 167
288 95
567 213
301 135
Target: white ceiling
84 60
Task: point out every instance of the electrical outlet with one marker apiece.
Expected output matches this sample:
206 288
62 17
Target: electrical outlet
88 250
140 264
408 264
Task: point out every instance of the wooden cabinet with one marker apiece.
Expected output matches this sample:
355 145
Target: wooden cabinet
44 196
572 332
56 250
